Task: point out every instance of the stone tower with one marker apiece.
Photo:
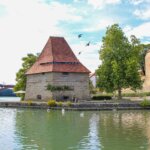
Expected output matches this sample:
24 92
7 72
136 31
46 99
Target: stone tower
57 66
146 85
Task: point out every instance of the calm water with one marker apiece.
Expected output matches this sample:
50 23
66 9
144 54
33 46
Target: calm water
25 129
9 99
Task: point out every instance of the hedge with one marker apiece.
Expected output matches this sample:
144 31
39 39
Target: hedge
102 97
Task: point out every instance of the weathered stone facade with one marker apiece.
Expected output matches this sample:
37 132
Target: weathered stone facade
36 85
146 85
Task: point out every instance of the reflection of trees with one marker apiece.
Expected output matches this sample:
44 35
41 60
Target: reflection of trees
50 131
123 130
120 130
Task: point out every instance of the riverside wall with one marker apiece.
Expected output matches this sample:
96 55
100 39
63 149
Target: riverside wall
91 106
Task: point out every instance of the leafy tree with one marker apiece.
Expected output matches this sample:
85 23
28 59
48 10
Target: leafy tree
120 62
28 61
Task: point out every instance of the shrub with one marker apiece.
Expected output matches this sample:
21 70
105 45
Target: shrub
29 102
68 103
102 97
59 104
52 103
145 103
58 88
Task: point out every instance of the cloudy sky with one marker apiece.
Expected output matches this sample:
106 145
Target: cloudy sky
25 26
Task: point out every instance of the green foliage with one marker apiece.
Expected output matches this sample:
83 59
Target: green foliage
102 97
120 62
28 61
52 103
145 103
136 94
68 103
29 102
91 87
58 88
59 104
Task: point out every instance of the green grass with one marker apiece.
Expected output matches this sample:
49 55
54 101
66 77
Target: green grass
145 103
136 94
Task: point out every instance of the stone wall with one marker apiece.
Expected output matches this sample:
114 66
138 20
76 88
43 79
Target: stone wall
146 85
36 85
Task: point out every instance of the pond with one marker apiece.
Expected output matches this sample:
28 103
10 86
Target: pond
26 129
9 99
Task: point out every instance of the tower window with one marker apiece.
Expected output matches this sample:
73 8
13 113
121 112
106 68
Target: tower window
39 97
65 73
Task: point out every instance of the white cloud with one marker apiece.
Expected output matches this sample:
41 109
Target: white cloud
127 28
142 14
76 1
136 2
140 31
89 54
100 26
25 29
91 49
101 3
90 61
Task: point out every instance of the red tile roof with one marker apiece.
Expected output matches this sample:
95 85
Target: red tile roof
57 56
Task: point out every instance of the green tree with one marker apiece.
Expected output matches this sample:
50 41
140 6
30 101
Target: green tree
120 62
28 61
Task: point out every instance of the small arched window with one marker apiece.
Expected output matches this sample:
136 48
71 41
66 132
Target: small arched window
39 97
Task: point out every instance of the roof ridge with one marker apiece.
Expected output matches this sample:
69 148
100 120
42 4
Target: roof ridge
51 51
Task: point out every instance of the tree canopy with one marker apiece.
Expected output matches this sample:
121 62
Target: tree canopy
28 61
120 62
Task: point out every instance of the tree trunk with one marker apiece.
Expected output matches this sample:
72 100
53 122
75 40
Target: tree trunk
119 94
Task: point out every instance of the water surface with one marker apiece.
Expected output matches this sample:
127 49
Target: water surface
9 99
26 129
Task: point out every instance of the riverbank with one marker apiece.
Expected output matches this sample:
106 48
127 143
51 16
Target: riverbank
81 106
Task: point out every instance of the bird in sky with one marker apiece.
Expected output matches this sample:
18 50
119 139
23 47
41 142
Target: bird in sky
79 53
88 44
80 35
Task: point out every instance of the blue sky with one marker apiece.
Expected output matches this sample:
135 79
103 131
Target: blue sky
25 26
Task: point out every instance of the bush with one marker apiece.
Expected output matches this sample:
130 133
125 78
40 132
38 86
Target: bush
102 97
68 103
145 103
52 103
29 102
59 104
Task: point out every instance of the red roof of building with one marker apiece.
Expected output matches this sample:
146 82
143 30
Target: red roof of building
57 56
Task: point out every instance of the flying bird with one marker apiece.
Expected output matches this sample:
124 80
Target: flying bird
88 44
80 35
79 53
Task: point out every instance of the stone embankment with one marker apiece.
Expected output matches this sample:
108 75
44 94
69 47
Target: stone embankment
77 106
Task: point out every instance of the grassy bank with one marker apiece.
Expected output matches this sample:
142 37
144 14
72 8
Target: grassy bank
109 96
